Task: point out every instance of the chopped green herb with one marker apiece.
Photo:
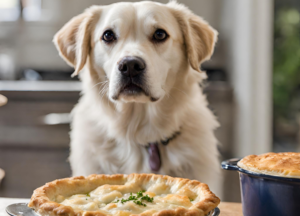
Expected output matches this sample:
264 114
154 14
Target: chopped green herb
191 200
147 198
139 203
88 194
132 197
139 194
137 199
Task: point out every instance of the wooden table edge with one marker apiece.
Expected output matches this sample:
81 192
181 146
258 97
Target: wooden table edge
230 209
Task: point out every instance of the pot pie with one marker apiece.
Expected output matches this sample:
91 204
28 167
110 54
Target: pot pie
285 164
123 195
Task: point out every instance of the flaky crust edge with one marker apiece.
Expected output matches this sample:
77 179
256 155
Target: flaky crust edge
42 204
285 164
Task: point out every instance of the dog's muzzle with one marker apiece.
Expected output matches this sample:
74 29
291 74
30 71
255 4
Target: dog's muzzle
132 70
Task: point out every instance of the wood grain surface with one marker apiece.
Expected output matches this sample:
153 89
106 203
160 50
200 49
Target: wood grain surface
230 209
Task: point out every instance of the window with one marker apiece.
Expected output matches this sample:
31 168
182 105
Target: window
10 10
32 10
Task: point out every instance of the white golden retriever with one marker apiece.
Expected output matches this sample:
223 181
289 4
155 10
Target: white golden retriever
141 109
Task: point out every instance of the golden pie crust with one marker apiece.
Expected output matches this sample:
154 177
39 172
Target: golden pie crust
181 196
285 164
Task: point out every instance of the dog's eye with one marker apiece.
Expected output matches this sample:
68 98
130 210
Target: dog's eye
160 35
109 36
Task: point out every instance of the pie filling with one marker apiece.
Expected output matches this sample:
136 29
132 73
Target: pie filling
111 199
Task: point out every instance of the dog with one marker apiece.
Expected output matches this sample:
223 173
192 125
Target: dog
142 109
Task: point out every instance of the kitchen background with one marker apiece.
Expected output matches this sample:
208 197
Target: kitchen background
253 85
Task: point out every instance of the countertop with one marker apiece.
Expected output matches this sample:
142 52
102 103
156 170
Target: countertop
227 209
61 86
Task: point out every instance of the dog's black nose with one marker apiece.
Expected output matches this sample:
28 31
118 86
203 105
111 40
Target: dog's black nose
132 66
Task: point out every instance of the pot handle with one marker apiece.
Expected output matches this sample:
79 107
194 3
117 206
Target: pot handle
231 164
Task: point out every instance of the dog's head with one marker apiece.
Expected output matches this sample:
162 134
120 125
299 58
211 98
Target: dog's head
138 47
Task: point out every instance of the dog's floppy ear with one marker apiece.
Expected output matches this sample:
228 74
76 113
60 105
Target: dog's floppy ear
199 36
73 41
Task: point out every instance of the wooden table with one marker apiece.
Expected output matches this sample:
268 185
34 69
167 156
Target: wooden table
227 209
231 209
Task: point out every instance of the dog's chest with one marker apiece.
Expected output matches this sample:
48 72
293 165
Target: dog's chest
129 157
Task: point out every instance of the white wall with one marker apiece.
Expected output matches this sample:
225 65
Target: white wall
247 27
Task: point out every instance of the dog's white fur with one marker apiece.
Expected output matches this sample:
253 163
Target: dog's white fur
109 135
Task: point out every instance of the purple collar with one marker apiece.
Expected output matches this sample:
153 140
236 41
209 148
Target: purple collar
154 154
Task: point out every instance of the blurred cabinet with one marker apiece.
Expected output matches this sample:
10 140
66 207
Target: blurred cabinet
22 120
34 151
221 101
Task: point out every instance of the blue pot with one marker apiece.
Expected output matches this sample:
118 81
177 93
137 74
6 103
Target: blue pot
264 195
